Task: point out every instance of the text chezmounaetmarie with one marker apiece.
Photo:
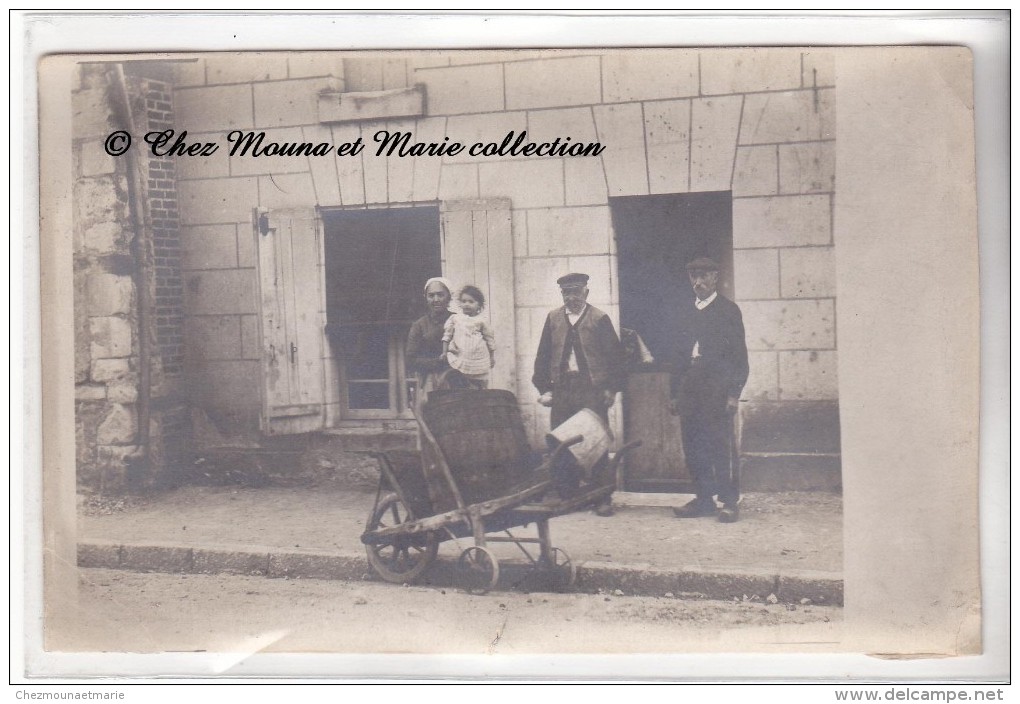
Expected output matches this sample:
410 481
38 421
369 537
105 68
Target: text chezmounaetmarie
398 144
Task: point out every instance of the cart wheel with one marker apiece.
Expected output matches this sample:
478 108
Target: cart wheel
563 568
407 556
478 569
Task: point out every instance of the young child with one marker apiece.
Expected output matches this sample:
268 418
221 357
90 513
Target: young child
468 343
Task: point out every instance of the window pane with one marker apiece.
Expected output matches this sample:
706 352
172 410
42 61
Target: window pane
368 395
367 352
377 262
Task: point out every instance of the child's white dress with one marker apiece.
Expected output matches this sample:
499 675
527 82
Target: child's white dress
471 341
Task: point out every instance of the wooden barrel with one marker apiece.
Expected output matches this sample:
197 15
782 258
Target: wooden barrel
482 436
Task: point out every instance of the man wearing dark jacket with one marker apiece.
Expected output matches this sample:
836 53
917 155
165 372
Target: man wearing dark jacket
710 373
580 361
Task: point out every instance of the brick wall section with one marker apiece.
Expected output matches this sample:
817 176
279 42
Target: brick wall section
171 442
758 124
162 185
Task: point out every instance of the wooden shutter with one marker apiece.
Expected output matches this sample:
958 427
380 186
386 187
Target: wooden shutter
478 249
291 320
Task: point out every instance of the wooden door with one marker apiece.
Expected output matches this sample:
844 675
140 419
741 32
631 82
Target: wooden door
291 303
656 236
658 465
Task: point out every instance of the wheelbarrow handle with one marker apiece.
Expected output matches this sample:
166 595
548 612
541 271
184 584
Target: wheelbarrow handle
569 442
562 447
616 465
618 455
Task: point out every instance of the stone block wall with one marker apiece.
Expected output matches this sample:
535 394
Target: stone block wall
105 316
217 194
760 124
110 447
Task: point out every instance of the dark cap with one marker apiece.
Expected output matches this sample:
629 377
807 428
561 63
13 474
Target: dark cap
703 264
572 280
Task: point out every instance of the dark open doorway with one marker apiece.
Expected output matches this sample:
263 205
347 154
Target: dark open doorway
655 238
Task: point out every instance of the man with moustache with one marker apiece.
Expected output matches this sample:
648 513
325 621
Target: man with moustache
710 373
580 361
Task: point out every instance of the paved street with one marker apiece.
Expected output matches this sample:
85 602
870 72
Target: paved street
152 612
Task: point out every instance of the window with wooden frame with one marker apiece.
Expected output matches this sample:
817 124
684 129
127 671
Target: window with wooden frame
339 289
376 263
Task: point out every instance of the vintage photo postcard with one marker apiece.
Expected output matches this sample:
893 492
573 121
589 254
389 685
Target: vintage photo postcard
509 353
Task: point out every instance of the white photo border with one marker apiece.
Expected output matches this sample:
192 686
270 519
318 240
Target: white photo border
34 35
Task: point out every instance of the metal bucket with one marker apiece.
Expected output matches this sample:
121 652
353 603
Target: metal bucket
597 438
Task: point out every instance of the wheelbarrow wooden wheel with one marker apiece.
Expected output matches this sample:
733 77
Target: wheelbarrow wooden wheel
478 570
562 568
404 557
557 571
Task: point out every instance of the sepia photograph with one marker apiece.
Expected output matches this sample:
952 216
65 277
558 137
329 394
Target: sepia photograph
500 352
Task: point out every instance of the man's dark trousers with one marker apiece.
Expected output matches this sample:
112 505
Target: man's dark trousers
572 393
707 428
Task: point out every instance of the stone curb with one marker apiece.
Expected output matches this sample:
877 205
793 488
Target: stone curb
824 588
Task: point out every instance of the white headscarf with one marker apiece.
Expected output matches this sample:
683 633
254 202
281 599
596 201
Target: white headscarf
453 308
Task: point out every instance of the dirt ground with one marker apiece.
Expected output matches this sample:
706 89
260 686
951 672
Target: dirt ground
149 612
778 531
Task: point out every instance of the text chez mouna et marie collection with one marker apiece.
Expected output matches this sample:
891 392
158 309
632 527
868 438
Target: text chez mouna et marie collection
388 144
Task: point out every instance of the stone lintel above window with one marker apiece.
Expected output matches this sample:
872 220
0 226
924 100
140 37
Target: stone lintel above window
337 106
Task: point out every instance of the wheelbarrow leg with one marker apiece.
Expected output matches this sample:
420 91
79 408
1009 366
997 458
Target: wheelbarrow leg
477 528
544 542
554 562
478 567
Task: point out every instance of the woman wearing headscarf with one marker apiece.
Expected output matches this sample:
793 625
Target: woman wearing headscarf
424 352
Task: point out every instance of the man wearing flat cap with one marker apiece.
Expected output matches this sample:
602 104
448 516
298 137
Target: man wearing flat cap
710 373
580 361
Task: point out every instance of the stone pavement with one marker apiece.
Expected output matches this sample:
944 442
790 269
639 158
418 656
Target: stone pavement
786 546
